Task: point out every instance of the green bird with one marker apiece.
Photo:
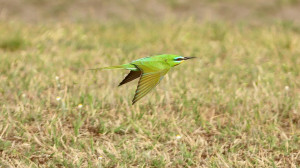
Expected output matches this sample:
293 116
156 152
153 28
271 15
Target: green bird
150 70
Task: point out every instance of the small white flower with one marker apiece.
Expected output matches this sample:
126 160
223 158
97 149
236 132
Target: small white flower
23 95
58 98
79 106
100 158
287 88
56 77
178 137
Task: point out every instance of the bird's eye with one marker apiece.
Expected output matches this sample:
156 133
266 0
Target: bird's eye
178 59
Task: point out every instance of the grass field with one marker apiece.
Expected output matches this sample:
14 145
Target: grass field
235 106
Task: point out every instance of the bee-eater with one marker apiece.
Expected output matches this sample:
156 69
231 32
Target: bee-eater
151 71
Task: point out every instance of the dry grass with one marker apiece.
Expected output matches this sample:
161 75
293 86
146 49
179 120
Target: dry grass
236 106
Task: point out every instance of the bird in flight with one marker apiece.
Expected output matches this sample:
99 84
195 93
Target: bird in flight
150 70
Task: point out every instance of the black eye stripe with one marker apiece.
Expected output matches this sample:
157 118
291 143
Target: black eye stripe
179 59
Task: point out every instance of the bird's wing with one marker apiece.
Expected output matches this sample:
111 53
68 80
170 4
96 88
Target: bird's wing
149 79
131 76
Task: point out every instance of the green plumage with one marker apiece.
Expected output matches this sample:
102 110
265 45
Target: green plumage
150 70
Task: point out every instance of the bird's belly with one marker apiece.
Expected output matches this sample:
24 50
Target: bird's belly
133 69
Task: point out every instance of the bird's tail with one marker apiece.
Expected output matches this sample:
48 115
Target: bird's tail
110 67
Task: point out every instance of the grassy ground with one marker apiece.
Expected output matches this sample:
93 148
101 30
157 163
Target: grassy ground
235 106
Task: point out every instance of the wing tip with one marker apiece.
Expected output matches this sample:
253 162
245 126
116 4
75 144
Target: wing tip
134 100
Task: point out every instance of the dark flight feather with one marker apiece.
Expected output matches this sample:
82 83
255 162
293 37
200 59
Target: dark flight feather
131 76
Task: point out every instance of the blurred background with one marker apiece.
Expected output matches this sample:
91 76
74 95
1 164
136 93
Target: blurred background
255 11
235 106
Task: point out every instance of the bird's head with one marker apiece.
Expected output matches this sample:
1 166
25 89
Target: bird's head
176 59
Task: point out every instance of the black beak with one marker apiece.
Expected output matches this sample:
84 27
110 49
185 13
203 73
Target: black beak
186 58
